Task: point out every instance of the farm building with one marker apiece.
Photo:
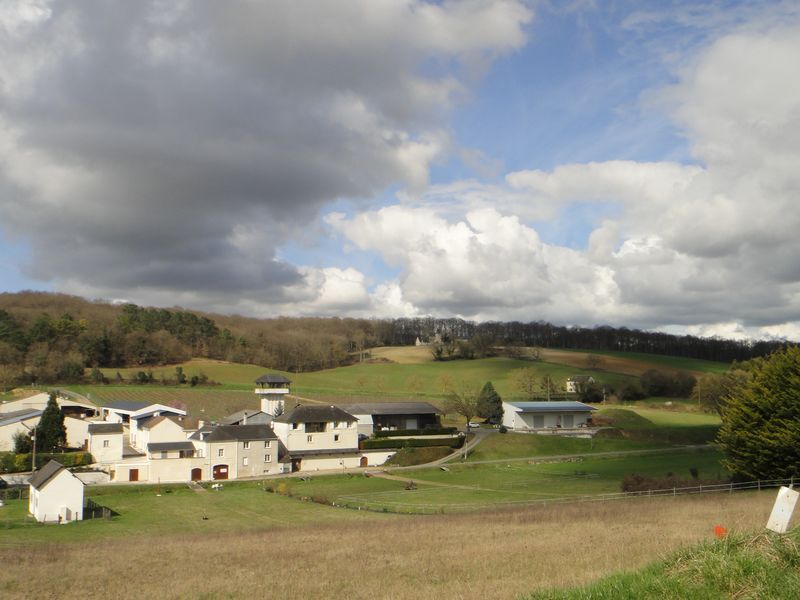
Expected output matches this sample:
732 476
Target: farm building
319 437
530 416
379 416
19 421
56 495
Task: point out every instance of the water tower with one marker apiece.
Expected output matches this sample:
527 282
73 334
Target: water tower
271 389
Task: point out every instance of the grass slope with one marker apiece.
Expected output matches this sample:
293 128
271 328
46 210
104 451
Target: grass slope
763 566
354 555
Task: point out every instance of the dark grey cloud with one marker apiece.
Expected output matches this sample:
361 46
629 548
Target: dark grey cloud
172 146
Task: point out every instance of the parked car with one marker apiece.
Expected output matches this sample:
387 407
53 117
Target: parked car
473 424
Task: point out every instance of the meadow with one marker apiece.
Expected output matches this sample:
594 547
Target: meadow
272 547
392 374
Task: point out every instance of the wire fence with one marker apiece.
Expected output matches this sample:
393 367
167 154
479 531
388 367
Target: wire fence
360 503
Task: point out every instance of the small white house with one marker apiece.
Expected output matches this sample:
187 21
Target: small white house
12 423
577 383
56 495
530 416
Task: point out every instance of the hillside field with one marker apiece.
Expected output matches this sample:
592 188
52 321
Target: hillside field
394 373
241 550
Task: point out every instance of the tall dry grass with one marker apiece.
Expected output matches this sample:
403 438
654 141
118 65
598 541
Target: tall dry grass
487 555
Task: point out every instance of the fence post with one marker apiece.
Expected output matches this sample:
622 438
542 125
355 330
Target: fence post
759 485
731 490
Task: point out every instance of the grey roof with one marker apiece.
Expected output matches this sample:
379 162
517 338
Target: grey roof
126 405
44 475
229 433
580 378
272 378
166 446
105 427
329 451
393 408
315 413
254 417
550 407
19 415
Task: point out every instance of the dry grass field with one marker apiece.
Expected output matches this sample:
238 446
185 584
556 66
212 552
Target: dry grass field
487 555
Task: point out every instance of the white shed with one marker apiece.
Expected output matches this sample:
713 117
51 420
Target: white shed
528 416
56 495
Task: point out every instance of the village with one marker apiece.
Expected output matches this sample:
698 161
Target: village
136 442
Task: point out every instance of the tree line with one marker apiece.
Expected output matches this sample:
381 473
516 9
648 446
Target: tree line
47 338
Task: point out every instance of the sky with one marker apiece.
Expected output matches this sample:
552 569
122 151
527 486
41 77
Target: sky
624 163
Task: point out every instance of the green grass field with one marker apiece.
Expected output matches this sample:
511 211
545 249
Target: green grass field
480 486
240 506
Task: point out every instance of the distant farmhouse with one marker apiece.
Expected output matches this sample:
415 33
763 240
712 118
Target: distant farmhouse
577 383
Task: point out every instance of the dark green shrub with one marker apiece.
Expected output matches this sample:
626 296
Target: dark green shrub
407 432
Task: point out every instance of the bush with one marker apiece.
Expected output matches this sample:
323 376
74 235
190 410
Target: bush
502 429
17 463
386 444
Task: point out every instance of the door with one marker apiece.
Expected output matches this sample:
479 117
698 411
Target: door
220 472
569 421
412 423
538 421
363 462
296 463
197 474
133 475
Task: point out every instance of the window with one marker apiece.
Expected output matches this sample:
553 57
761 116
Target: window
267 458
335 437
310 439
294 425
245 461
268 444
246 445
105 444
336 424
221 452
163 454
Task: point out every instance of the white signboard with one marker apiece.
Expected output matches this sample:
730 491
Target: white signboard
782 511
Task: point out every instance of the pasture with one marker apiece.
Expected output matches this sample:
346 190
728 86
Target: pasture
273 546
478 486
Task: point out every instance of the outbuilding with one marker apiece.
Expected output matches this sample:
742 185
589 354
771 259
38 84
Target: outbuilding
56 495
531 416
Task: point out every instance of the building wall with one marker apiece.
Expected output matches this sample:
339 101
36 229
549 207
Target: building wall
106 447
176 469
378 457
63 491
7 432
300 439
328 463
552 420
77 431
121 471
165 431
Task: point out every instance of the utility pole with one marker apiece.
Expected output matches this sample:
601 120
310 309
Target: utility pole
33 458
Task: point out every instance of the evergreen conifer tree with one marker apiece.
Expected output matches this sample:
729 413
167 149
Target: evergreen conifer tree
490 405
51 434
760 431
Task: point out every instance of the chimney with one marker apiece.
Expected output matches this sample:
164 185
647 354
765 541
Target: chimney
244 422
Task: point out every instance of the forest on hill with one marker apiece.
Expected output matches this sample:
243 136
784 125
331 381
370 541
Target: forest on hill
47 338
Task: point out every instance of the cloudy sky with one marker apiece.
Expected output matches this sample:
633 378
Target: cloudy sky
627 163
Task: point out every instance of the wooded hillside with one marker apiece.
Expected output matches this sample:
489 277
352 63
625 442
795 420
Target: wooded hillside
48 338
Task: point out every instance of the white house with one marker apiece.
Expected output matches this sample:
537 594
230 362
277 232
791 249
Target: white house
576 383
318 437
56 495
105 442
530 416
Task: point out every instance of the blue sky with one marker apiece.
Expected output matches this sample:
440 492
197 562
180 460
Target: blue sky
579 162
